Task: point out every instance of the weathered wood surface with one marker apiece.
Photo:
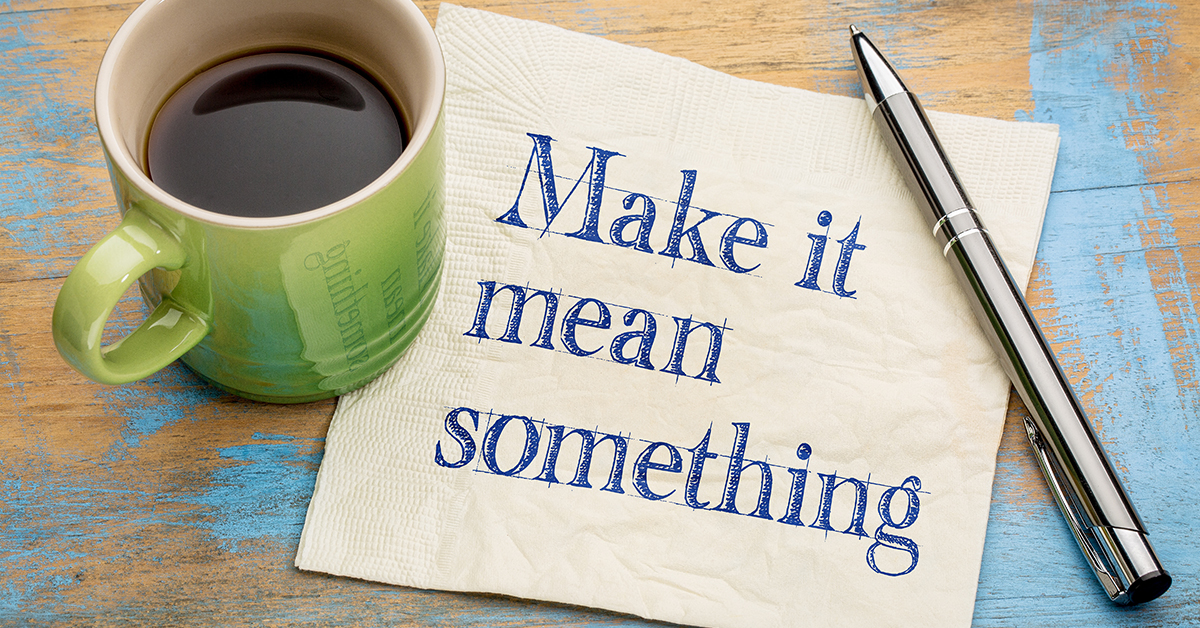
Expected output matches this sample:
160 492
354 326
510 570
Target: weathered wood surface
166 502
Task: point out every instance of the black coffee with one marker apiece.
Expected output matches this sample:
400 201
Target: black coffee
273 134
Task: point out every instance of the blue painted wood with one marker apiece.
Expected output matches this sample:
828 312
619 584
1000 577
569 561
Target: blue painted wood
51 162
1107 256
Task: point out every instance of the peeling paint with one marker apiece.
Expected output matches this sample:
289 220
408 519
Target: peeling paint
262 489
43 172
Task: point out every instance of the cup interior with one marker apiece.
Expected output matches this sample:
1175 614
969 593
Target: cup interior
164 43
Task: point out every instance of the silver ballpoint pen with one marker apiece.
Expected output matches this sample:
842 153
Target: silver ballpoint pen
1101 517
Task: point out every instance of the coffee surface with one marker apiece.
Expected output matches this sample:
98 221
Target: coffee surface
273 134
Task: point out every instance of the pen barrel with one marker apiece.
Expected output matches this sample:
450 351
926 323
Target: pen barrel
1101 516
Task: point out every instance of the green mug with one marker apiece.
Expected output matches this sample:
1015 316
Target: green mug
282 309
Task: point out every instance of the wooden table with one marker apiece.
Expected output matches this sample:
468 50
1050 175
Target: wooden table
167 502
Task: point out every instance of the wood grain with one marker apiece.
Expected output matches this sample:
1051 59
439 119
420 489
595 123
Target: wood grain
166 502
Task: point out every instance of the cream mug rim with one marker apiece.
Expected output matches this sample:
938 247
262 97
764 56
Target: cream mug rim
431 100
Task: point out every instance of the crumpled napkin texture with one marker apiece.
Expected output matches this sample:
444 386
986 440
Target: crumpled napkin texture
696 356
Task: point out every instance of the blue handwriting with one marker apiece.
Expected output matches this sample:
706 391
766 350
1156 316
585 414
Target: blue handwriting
889 554
597 314
633 231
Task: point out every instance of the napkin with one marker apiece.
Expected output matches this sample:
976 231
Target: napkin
696 356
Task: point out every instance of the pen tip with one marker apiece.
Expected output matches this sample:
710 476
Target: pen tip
854 30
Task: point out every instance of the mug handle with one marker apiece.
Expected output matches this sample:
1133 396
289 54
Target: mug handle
92 290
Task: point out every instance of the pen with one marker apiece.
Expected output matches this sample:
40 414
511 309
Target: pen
1101 517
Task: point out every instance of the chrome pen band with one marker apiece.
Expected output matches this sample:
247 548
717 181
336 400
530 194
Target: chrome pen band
955 225
963 211
974 230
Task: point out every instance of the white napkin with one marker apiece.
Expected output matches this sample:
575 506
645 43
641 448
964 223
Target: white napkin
820 341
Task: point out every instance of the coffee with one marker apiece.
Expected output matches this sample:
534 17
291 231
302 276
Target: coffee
273 134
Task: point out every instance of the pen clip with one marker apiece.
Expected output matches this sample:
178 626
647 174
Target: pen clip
1093 548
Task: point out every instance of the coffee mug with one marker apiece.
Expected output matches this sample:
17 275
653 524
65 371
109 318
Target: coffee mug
279 308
